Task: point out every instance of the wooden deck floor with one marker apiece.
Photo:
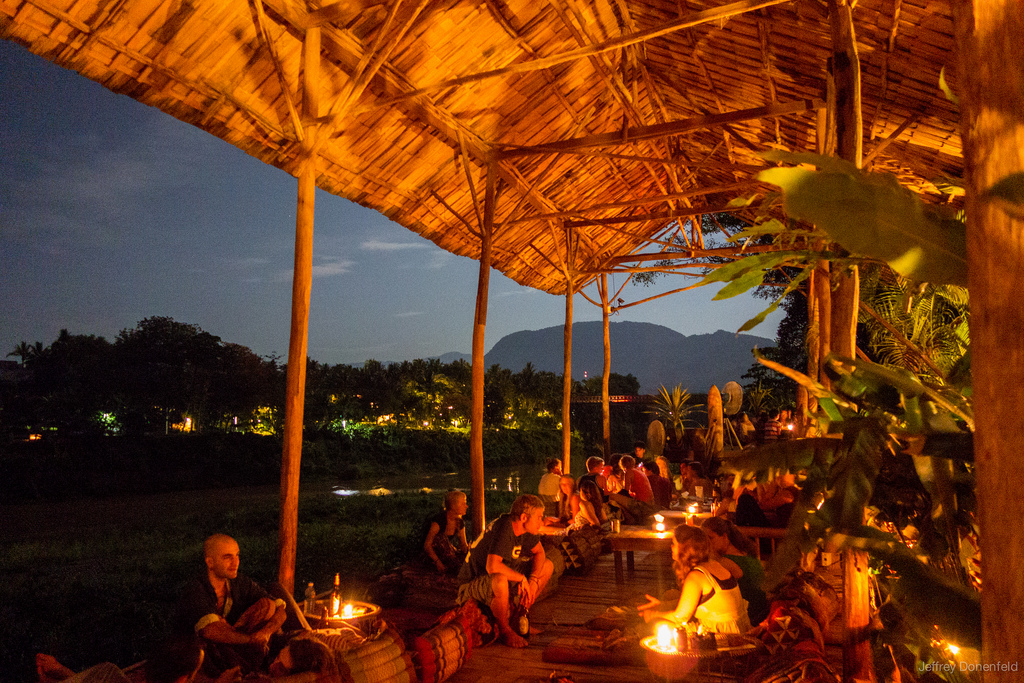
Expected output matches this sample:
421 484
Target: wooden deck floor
577 600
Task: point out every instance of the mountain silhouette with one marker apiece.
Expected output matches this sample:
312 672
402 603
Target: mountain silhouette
654 354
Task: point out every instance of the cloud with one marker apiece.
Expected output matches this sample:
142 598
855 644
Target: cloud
409 314
377 245
329 267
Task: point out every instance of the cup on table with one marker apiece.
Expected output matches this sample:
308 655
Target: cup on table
616 526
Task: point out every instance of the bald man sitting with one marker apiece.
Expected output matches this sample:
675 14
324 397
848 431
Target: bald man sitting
232 614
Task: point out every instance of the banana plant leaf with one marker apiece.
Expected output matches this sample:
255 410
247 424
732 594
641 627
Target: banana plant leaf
873 215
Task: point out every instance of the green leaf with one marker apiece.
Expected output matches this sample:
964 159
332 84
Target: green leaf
743 283
946 90
873 215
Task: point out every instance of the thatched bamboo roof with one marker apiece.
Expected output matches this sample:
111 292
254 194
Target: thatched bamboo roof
636 108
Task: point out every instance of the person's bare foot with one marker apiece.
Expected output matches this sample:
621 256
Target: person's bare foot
513 639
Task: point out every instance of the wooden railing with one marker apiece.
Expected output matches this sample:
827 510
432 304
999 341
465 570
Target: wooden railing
771 536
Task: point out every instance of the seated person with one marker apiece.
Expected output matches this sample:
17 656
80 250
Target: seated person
175 661
304 654
634 501
777 499
595 467
661 485
729 542
709 587
692 476
591 508
233 616
445 543
568 500
507 565
548 488
613 475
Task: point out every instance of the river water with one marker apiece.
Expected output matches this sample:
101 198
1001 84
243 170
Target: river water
516 480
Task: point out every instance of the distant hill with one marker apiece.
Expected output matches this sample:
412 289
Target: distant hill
654 354
453 356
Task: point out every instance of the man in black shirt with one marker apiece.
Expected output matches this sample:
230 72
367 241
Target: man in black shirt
508 559
232 614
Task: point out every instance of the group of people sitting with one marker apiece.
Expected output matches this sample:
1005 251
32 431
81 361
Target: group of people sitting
225 625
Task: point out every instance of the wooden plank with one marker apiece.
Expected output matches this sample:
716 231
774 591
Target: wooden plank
662 130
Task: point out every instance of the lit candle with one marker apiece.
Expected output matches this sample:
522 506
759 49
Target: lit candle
659 522
692 508
347 612
666 637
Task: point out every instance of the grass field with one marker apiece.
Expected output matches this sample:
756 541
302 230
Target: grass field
96 580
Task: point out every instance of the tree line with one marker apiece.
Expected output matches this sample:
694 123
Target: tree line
163 375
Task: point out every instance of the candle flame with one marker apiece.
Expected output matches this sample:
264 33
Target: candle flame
347 612
666 637
660 526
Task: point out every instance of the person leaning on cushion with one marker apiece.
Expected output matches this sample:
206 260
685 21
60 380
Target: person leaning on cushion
174 661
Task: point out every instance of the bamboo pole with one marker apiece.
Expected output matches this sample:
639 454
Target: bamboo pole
990 37
476 428
567 372
823 295
842 324
296 376
302 278
606 416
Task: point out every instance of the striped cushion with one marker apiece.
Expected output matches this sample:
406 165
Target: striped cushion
374 661
441 651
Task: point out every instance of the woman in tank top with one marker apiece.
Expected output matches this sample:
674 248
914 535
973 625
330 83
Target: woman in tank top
709 588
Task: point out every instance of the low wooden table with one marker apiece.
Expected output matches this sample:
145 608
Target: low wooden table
633 538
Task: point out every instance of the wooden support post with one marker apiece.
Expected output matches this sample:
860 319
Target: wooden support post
716 426
823 297
990 37
813 333
840 334
476 428
567 375
302 277
295 391
606 417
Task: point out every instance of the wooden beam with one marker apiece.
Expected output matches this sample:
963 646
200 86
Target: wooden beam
260 19
636 202
661 130
665 215
880 147
689 21
476 428
737 250
343 12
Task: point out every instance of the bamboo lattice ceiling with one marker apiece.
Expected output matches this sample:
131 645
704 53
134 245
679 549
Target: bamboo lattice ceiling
611 117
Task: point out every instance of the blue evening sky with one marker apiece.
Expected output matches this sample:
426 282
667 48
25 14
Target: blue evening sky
111 212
